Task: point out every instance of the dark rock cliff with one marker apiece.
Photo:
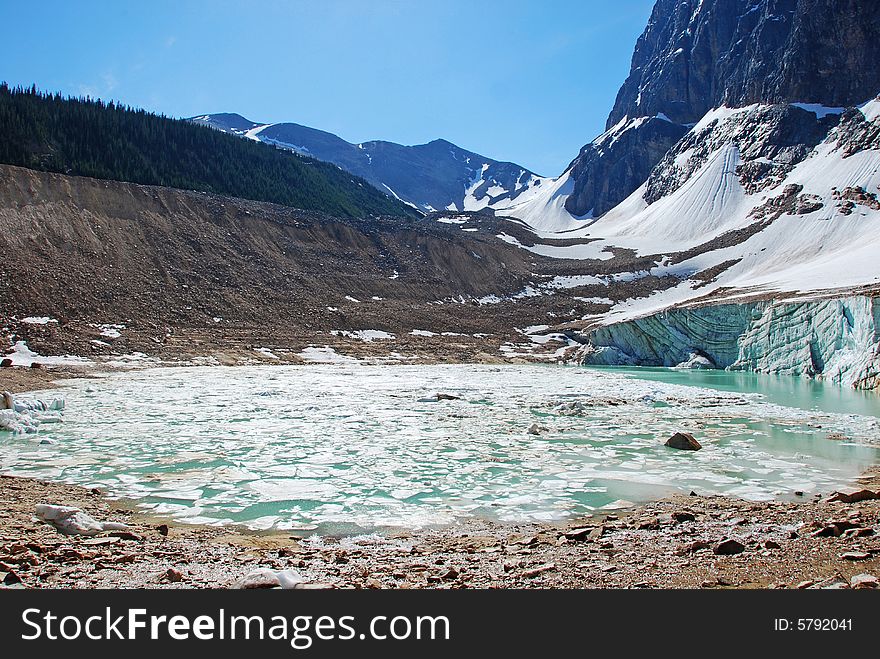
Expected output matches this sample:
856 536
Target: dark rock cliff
696 55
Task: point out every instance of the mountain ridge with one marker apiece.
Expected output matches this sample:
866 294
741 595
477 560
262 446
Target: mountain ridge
435 176
86 137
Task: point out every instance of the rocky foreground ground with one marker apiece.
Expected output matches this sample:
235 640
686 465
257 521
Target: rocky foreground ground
683 542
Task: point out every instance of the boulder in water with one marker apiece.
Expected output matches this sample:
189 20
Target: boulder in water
683 441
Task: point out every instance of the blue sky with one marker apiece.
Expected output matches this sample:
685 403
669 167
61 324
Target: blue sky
525 81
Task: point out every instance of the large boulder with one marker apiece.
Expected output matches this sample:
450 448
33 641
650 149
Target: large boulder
683 441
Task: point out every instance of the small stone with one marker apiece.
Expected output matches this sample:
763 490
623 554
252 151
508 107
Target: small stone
373 584
831 583
541 569
261 578
772 544
163 529
683 516
805 584
526 541
314 585
535 429
729 547
450 574
683 441
10 577
857 533
98 542
175 576
447 397
579 534
125 535
855 556
861 581
5 363
798 493
692 547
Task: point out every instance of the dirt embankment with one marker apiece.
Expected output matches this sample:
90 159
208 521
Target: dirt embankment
186 271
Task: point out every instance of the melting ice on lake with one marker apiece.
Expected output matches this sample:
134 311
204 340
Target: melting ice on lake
347 448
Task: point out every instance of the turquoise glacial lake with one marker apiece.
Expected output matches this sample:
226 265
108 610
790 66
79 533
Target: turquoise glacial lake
354 448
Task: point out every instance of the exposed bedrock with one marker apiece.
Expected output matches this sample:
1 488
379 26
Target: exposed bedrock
834 339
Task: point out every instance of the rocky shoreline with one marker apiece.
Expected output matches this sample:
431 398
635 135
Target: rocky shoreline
681 542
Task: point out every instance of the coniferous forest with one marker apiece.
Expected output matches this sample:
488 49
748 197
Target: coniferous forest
87 137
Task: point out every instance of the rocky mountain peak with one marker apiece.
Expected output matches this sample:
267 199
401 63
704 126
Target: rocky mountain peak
697 55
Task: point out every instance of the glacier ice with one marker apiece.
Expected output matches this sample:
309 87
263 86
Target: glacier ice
832 339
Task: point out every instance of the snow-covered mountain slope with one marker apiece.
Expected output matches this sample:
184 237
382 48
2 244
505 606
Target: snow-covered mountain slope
436 176
753 190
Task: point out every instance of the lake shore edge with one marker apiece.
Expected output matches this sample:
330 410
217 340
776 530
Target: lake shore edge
679 542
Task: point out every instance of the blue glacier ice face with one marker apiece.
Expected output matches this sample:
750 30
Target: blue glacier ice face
832 339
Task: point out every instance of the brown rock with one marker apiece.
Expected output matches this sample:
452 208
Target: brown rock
581 534
729 547
174 576
861 581
10 577
854 496
692 547
163 529
96 542
683 516
450 574
855 556
832 583
5 363
683 441
541 569
858 533
772 544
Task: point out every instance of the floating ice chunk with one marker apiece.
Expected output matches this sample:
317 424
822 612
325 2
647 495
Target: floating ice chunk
73 521
696 360
16 422
22 416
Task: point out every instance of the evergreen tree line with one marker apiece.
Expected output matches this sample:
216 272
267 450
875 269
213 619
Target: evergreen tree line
88 137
